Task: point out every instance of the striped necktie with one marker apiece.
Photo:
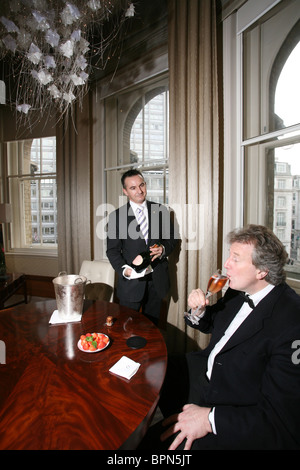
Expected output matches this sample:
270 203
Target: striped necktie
142 223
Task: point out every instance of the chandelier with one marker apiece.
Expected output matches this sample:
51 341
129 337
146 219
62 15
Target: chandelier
52 47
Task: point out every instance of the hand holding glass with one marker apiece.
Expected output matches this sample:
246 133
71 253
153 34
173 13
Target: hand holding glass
216 283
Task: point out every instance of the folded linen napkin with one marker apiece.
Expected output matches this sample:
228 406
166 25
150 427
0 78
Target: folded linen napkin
56 318
125 367
134 274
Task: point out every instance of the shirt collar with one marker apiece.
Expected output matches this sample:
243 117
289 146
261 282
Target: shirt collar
258 296
136 206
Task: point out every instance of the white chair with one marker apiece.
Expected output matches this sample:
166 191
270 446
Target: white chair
102 279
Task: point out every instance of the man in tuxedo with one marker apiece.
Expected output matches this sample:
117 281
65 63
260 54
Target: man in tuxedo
128 236
244 388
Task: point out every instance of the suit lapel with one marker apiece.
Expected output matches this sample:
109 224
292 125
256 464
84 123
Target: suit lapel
155 222
126 222
130 212
255 320
225 318
150 218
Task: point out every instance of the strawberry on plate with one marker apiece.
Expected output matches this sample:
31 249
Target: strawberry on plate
93 342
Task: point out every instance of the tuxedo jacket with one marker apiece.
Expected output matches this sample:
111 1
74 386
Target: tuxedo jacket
255 380
125 241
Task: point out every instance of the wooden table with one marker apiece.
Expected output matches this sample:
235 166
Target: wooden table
54 396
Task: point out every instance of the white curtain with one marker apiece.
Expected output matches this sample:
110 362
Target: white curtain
194 151
73 187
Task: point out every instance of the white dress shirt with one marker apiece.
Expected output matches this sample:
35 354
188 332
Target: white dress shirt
144 206
242 314
135 207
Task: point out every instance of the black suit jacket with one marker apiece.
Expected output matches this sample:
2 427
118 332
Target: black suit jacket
125 242
255 381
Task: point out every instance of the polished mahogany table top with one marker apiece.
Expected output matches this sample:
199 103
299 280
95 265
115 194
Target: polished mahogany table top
54 396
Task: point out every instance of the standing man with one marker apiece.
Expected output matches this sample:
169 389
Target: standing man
136 227
244 388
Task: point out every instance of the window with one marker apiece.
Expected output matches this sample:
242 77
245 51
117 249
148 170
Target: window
271 125
280 184
32 192
281 219
149 142
281 201
143 139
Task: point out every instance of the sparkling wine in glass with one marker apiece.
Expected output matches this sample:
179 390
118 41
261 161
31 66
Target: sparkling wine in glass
216 283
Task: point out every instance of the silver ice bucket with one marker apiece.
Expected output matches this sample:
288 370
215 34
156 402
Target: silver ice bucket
69 293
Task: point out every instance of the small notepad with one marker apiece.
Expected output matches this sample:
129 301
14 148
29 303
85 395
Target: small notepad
125 367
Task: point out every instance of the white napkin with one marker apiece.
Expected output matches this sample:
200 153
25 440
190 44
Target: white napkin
125 367
134 274
56 318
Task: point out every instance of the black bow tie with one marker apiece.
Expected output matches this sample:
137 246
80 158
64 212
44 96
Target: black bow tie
247 299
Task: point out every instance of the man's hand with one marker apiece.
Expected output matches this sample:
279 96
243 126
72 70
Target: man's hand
156 251
127 272
197 299
192 423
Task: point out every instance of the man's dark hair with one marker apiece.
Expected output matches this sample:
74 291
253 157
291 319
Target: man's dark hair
128 173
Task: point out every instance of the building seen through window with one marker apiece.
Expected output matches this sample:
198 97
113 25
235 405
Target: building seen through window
286 221
43 201
271 126
32 192
149 137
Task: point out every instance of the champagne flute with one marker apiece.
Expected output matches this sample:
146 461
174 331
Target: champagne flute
216 283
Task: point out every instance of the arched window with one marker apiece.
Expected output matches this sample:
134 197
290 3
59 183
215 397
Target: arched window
271 126
137 122
287 158
284 83
146 127
146 141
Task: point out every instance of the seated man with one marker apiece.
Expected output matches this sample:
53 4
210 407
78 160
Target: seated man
247 396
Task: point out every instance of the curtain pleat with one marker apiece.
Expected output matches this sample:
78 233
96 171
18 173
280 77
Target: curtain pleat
194 150
73 189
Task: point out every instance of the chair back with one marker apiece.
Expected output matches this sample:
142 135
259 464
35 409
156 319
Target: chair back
101 275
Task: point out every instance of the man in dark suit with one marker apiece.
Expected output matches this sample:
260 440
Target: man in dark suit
127 239
247 395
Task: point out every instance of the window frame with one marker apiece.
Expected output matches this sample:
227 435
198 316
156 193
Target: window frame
15 234
235 146
118 108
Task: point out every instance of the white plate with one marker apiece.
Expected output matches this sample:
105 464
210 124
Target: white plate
96 350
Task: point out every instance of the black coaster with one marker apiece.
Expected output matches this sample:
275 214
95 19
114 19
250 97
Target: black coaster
136 342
